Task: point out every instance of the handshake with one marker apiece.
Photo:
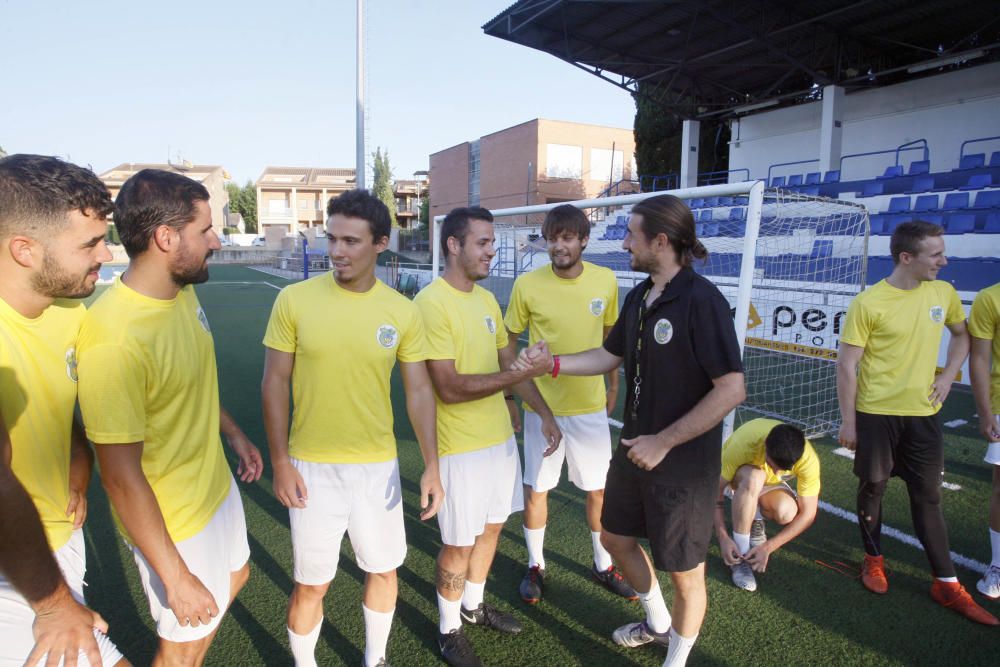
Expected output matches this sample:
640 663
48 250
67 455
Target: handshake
534 361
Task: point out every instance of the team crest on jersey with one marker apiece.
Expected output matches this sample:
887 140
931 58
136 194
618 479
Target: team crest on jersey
491 325
663 331
937 314
387 336
203 320
71 364
596 307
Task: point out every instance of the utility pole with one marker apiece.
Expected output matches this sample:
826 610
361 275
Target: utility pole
360 121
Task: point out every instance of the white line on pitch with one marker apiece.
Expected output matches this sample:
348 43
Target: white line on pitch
848 454
244 282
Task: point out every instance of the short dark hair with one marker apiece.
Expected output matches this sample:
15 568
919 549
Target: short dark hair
366 206
151 198
38 191
907 237
565 218
456 224
784 445
666 214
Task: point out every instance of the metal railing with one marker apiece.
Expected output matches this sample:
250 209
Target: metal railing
961 150
787 164
909 146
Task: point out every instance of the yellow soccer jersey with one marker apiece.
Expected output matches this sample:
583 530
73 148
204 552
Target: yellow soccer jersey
984 322
746 447
345 345
37 397
570 315
148 374
901 333
466 327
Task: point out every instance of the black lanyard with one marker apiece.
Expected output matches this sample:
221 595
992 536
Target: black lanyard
637 381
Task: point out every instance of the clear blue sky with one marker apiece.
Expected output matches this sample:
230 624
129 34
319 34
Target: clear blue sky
247 84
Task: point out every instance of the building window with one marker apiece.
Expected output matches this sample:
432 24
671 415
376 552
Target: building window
563 161
474 173
604 165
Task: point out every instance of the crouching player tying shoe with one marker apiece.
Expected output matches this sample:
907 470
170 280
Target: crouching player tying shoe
758 459
571 305
889 400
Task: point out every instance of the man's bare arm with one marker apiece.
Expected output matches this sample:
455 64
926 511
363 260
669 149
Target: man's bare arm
289 487
422 411
848 358
81 463
958 350
454 387
979 370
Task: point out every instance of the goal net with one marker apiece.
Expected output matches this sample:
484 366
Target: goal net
790 262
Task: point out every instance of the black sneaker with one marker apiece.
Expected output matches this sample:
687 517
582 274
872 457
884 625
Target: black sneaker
489 616
456 649
612 579
532 585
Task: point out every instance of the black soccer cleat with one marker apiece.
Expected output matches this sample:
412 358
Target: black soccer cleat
489 616
456 649
612 579
533 585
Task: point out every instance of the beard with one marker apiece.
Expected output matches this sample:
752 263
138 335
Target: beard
643 264
565 261
55 283
188 269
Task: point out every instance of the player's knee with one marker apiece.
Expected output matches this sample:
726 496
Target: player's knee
385 578
309 592
872 490
596 496
616 544
785 512
749 479
182 654
687 584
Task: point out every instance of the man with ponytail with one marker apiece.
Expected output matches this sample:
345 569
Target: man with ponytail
683 374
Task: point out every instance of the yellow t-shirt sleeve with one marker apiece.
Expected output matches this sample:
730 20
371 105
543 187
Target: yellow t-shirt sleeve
955 311
734 453
983 317
112 391
611 311
857 327
281 330
438 338
807 474
502 339
517 316
413 343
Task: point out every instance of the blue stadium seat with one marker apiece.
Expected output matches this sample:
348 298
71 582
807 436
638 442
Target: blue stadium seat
876 223
725 201
992 225
934 218
978 182
954 201
699 229
987 199
995 159
710 229
706 215
871 189
971 161
710 202
795 179
924 183
741 201
696 203
892 172
812 178
832 176
899 205
735 229
740 213
918 167
821 248
811 190
778 182
894 221
960 223
926 203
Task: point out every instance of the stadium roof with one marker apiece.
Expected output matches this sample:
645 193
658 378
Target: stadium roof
722 58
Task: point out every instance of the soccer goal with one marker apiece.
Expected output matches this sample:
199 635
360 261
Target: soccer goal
789 264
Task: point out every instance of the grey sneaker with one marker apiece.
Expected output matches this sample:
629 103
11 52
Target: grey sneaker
757 534
989 585
639 634
743 576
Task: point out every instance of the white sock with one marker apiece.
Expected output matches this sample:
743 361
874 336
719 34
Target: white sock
657 616
602 559
304 646
377 626
678 649
450 614
534 538
947 580
472 596
742 541
995 543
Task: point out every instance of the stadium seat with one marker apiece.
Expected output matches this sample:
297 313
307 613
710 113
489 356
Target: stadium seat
699 229
925 203
978 182
954 201
971 161
812 178
741 201
706 215
876 223
933 218
918 167
821 248
960 223
695 203
924 183
995 159
778 182
992 225
710 202
986 199
710 229
811 190
832 176
794 180
871 189
899 205
725 201
737 214
892 172
894 221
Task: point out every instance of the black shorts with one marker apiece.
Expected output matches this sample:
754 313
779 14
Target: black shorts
676 517
911 448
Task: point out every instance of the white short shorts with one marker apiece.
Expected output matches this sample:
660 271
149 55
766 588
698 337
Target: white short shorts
767 489
16 615
480 487
993 450
365 500
586 448
212 555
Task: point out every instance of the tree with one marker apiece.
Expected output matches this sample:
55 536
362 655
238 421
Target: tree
244 201
3 153
382 187
425 209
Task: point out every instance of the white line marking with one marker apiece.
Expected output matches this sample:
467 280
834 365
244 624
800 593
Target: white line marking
951 487
845 452
243 282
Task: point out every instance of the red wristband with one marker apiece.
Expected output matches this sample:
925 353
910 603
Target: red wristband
555 366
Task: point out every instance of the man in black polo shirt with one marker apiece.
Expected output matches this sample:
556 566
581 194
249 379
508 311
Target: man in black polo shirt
683 374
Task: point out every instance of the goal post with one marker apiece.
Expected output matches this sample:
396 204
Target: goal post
787 263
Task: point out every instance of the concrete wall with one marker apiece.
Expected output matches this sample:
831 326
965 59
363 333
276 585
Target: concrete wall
449 178
945 110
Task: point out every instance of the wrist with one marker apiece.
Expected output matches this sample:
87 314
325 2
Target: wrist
508 397
555 366
57 598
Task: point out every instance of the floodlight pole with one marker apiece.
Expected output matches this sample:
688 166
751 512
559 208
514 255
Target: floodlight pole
359 124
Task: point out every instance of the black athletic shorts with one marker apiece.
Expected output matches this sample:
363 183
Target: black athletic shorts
677 518
911 448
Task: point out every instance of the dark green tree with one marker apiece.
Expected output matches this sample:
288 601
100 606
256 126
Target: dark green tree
244 201
382 186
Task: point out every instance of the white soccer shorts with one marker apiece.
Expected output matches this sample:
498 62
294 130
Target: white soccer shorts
585 447
16 615
993 449
365 500
212 555
480 487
